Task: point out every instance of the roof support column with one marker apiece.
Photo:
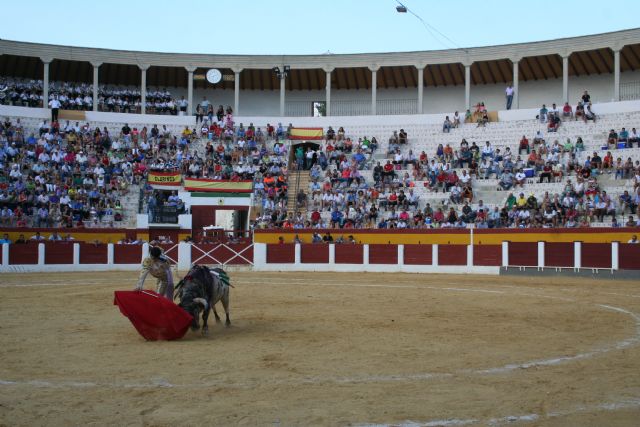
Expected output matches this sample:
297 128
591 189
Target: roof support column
282 92
45 82
96 70
616 74
374 87
565 77
236 90
143 88
327 107
420 68
190 69
516 93
467 85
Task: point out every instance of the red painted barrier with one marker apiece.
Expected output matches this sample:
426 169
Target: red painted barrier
487 255
58 253
558 254
314 253
170 251
629 256
383 254
418 254
93 254
23 254
349 254
523 254
241 248
127 254
452 254
281 253
596 255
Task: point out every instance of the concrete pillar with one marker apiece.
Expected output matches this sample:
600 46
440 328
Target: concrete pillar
616 75
96 70
516 92
434 255
41 251
45 82
365 255
615 253
505 254
565 78
541 255
190 69
374 88
143 88
76 253
297 254
5 254
400 255
328 91
236 90
283 88
577 255
332 254
420 88
184 256
110 254
467 86
259 254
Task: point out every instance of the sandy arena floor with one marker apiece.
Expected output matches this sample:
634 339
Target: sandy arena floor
328 349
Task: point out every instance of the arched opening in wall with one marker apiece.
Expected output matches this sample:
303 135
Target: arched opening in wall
351 91
488 84
298 155
391 99
21 80
443 88
71 82
630 80
306 95
217 94
166 90
119 88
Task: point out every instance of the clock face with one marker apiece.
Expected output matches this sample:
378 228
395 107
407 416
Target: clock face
214 76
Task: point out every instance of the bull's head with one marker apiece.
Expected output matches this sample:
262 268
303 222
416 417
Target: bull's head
194 306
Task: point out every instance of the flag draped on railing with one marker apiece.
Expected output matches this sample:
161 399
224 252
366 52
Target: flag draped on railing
203 185
308 134
164 180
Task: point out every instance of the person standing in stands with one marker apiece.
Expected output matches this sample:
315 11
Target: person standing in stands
509 94
54 104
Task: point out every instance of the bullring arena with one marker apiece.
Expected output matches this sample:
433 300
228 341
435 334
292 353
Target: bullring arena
427 238
329 349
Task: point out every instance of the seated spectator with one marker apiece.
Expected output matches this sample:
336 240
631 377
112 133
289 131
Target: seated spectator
579 111
456 120
589 114
624 137
612 139
402 137
446 126
567 111
542 115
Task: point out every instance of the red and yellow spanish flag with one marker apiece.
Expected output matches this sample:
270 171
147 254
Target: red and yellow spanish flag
217 186
308 134
164 180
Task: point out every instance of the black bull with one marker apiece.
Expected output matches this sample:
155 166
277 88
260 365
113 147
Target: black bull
199 292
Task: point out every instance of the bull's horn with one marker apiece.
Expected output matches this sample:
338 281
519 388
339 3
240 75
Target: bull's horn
202 301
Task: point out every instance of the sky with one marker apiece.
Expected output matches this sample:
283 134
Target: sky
294 27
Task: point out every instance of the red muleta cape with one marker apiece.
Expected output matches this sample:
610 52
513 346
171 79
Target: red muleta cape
153 316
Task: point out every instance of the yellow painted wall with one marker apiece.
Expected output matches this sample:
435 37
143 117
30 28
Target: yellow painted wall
78 235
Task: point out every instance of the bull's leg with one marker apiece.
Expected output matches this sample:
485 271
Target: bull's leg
215 313
225 304
205 318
